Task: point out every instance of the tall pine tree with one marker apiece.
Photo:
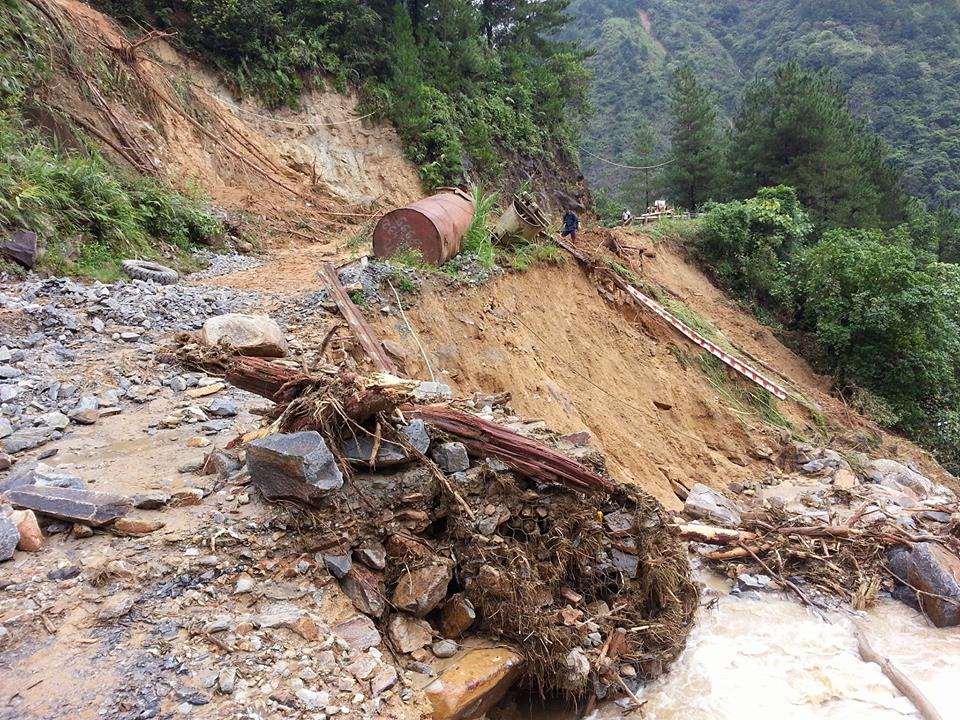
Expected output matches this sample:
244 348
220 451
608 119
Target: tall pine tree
796 130
696 153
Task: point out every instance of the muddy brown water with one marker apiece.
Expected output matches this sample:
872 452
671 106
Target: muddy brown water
772 658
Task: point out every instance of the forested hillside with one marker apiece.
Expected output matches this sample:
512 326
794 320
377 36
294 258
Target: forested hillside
898 64
478 91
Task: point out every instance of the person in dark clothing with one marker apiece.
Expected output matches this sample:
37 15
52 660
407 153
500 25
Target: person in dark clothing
571 223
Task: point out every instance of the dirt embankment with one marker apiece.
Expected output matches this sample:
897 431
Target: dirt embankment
299 175
583 360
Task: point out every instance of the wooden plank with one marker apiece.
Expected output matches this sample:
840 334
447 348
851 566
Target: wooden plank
358 325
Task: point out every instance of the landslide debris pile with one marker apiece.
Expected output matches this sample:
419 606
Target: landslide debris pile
438 520
836 531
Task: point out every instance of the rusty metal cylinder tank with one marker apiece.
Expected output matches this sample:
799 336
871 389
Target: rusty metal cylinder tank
433 226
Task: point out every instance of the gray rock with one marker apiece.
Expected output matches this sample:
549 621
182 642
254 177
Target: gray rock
26 440
451 456
227 680
55 420
444 648
625 563
151 501
705 504
935 572
8 372
373 556
432 392
295 466
98 325
88 402
46 476
358 448
338 565
6 429
178 384
85 506
221 407
22 247
885 471
222 464
9 537
8 392
747 582
250 334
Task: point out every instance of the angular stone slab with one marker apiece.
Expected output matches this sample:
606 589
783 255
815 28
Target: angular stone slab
358 449
21 247
293 466
83 506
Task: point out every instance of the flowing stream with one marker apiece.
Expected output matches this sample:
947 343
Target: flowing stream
769 658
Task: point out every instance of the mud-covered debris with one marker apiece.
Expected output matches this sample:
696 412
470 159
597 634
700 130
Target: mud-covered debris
474 683
253 335
294 466
86 506
705 504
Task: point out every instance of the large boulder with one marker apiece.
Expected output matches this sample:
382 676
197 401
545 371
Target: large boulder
255 335
475 683
293 466
702 503
935 573
71 504
891 473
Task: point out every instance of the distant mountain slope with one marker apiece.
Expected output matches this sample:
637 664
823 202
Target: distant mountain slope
900 64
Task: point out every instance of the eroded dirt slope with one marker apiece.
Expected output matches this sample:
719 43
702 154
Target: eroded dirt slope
582 359
303 174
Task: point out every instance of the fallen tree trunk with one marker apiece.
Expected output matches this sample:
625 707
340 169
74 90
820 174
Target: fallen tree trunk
262 377
525 456
900 681
358 325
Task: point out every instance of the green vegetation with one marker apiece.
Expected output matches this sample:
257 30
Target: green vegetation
477 239
88 215
470 86
897 64
696 171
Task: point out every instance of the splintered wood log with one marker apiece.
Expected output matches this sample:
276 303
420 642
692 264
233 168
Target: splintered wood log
358 325
714 535
262 377
525 456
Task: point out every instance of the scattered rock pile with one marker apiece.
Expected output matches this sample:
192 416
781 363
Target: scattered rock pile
838 528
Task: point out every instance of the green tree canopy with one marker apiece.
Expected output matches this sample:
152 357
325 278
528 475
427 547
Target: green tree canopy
696 168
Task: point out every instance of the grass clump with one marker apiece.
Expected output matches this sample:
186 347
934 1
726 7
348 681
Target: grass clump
89 216
477 239
745 398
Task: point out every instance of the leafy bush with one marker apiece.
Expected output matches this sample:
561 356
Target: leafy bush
749 245
885 322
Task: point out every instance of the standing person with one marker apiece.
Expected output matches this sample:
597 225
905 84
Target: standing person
627 216
571 223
